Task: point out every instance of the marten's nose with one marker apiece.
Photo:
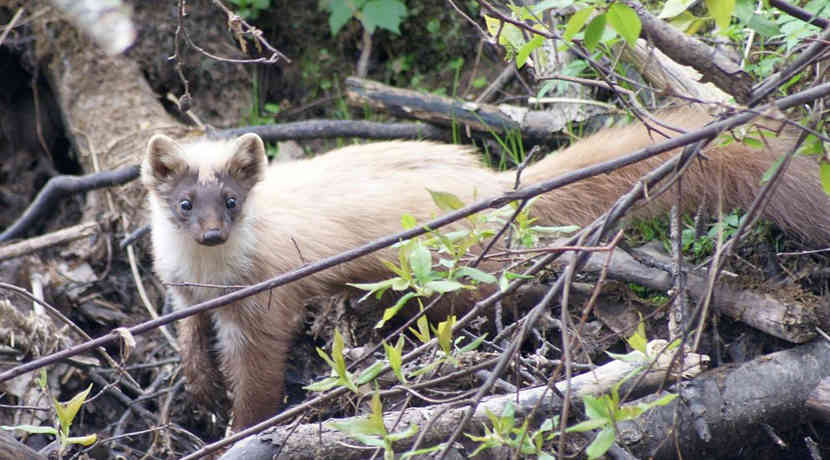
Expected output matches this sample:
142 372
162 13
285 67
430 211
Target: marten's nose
213 237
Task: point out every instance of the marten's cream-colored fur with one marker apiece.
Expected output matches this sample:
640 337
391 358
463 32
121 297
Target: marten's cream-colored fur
220 216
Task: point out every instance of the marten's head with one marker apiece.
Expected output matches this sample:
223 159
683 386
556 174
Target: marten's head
202 187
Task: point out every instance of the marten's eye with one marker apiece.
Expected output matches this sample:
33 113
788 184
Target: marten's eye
185 205
230 202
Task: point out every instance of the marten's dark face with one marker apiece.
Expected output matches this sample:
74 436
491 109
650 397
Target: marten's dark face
204 186
207 210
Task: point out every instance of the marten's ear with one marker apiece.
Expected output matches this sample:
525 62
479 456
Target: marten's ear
163 161
248 163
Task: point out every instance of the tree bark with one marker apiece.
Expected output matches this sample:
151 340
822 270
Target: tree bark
108 108
719 413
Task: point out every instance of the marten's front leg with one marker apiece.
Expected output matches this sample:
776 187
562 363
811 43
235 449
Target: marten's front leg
199 363
254 364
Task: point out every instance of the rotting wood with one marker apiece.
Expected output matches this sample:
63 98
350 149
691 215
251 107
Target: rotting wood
446 111
65 235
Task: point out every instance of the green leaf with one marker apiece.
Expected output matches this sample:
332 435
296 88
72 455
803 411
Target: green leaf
721 11
321 353
444 286
68 410
408 222
340 14
446 201
337 353
422 333
323 385
753 142
385 14
577 21
444 333
524 51
394 356
376 415
601 443
587 425
87 440
362 428
474 344
638 340
475 274
763 26
687 22
625 21
409 432
593 33
426 450
370 373
662 401
380 286
41 380
421 262
673 8
811 146
390 312
596 407
400 284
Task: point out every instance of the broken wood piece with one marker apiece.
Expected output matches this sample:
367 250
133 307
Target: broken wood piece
55 238
447 111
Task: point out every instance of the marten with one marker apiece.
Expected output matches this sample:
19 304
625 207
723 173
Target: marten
222 216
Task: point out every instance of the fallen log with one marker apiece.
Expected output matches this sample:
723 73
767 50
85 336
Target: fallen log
321 440
721 412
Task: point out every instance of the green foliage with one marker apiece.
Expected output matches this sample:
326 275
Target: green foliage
678 13
340 376
250 9
65 414
621 19
605 411
394 355
503 432
701 247
372 14
371 430
644 230
431 263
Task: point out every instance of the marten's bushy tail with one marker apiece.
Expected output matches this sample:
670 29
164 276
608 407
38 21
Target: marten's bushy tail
731 173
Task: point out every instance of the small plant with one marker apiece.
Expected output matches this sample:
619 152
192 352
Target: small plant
372 14
65 414
371 430
701 247
504 432
432 263
339 374
604 412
